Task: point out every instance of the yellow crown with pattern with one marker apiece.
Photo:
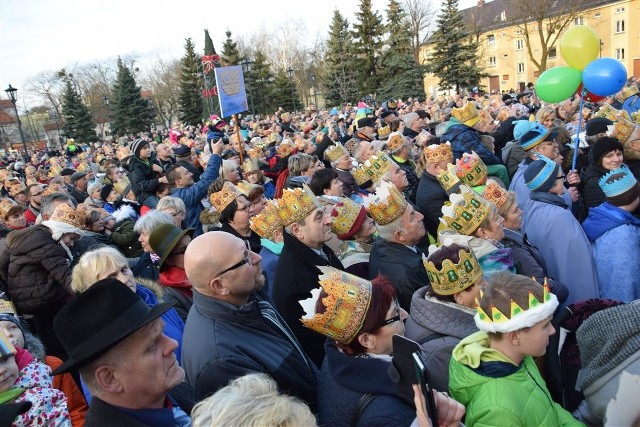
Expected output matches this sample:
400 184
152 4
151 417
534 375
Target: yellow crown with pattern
347 215
495 194
335 152
346 303
74 217
386 205
223 198
373 169
629 91
383 132
452 277
7 307
466 211
16 187
621 129
250 165
395 142
467 115
609 112
436 153
296 204
121 185
471 169
82 167
267 222
448 179
251 191
285 148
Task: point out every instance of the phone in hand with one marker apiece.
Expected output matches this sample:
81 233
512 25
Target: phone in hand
424 381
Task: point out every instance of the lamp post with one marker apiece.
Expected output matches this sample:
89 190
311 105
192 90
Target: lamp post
246 68
13 97
105 101
293 97
315 93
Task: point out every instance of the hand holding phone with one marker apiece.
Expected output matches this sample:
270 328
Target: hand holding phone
424 381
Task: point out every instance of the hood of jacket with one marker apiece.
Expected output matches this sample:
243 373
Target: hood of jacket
604 218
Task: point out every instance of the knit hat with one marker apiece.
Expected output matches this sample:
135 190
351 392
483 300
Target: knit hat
347 217
137 145
607 340
531 134
541 174
106 190
597 125
604 146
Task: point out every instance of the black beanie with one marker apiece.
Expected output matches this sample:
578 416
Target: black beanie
597 125
106 190
604 145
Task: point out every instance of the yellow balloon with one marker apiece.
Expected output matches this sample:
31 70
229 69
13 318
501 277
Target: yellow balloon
579 46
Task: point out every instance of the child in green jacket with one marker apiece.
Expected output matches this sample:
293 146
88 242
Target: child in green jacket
492 371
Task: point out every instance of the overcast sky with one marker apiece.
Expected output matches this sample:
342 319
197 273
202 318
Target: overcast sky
40 35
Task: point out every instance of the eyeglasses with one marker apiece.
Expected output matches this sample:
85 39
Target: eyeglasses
562 177
394 318
246 260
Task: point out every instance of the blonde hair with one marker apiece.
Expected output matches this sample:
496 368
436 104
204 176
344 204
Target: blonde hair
251 401
91 264
544 113
170 202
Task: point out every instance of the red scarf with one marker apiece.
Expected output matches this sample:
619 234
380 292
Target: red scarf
176 278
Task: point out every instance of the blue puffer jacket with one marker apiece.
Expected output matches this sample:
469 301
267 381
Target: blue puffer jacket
464 140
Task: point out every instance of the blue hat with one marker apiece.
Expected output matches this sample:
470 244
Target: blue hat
530 134
617 181
541 174
182 150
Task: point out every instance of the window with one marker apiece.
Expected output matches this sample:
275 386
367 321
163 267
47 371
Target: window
519 44
620 26
620 53
492 61
619 9
505 77
491 40
503 16
521 67
579 20
597 15
553 52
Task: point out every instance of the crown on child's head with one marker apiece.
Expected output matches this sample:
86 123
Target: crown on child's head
296 204
467 114
250 165
617 181
386 205
495 194
452 277
436 153
471 169
373 169
466 211
267 222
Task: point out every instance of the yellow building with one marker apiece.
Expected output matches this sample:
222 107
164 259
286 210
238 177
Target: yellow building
503 50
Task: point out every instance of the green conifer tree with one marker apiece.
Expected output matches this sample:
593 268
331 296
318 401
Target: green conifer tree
400 75
262 84
285 94
339 83
455 56
230 54
211 104
77 118
368 32
130 113
190 86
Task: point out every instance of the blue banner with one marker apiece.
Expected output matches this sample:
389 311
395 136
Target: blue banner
231 91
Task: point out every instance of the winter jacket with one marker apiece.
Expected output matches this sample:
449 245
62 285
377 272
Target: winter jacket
430 198
102 414
222 341
39 274
296 275
253 238
591 192
143 179
123 234
145 268
495 392
343 381
503 134
449 322
465 139
270 254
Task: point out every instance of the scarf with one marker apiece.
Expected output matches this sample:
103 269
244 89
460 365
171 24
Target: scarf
175 277
549 198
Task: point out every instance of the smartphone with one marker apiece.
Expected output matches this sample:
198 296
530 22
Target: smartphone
422 376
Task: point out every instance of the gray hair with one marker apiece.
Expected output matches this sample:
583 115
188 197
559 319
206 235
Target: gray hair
387 231
409 118
149 222
96 186
170 202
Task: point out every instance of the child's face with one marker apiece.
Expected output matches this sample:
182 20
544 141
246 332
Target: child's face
12 332
8 372
535 340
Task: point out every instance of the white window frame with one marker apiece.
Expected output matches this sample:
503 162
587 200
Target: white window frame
491 40
519 44
620 26
620 54
521 67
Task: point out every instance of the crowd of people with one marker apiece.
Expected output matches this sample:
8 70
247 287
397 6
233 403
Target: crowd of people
255 271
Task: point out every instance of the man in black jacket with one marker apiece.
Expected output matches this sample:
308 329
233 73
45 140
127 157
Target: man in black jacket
430 196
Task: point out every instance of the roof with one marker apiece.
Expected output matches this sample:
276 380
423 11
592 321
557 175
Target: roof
50 126
6 118
5 103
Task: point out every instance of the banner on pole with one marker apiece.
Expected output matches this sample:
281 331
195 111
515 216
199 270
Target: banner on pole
232 94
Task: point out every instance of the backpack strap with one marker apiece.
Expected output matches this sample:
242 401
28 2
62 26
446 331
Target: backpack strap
362 405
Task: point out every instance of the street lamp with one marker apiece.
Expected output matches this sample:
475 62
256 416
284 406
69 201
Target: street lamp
105 101
315 93
13 97
246 69
293 97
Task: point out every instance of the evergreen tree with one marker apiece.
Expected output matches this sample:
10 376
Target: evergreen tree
285 94
230 54
211 104
130 113
190 85
455 56
262 84
77 118
339 83
368 32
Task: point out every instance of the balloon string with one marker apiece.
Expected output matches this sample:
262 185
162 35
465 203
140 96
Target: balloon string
583 93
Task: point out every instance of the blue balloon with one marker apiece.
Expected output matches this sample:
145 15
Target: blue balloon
604 76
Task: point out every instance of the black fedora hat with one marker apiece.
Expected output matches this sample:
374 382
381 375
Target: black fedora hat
98 319
164 238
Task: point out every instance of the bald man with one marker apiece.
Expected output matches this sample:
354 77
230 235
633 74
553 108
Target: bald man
230 332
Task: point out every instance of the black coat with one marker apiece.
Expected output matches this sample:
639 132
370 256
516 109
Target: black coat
143 179
412 178
296 275
592 194
101 414
401 265
145 268
430 198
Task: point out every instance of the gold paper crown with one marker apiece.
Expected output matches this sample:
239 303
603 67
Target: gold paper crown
373 169
395 142
82 167
467 114
255 153
621 129
386 205
466 211
453 278
65 213
515 310
629 91
296 204
345 214
495 194
609 112
448 179
335 152
7 307
6 205
250 190
121 185
82 156
471 169
16 187
347 301
223 198
285 148
383 132
250 165
436 153
99 158
267 222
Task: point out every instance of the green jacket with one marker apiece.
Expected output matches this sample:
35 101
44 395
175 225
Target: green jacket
511 396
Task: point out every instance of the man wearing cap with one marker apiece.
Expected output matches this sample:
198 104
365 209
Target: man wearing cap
230 332
184 159
595 129
116 342
66 175
366 129
79 182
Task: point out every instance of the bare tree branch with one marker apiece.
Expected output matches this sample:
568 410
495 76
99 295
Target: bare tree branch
421 17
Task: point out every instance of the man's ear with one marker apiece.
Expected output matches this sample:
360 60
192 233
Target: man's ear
107 379
217 287
296 230
399 236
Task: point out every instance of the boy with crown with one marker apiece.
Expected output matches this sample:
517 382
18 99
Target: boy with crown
492 372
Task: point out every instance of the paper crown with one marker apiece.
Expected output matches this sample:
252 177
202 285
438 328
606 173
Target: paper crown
519 318
6 205
16 187
122 186
82 167
452 277
267 222
296 204
383 132
7 307
65 213
448 179
346 304
335 152
250 165
6 348
223 198
395 142
251 191
609 112
495 194
617 181
386 205
621 129
629 91
436 153
471 169
373 169
466 211
285 148
467 114
347 218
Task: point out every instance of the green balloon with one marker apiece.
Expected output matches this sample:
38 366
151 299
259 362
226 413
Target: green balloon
558 83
